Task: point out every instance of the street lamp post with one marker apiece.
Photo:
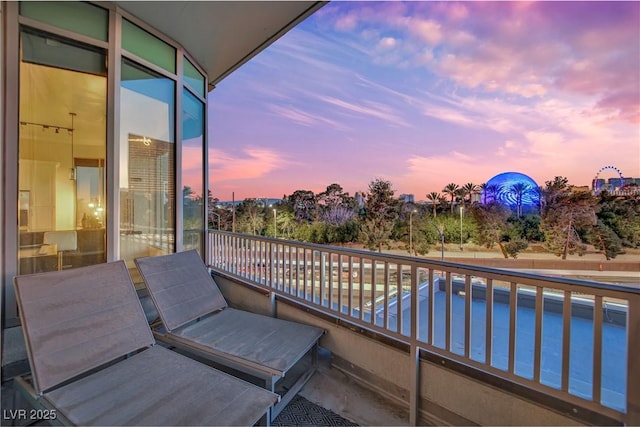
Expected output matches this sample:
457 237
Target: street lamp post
275 224
461 211
411 231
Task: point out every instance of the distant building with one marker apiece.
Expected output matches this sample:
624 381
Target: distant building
580 188
407 198
513 189
616 185
261 201
598 184
476 197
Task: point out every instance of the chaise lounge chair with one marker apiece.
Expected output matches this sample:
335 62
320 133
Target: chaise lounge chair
94 360
196 318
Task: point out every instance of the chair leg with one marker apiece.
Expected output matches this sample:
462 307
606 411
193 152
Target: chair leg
59 260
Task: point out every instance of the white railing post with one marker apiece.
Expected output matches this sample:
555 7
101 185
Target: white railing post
272 266
414 380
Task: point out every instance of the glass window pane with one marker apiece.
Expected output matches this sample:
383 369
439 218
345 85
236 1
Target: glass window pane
192 170
62 134
141 43
147 163
57 52
193 78
79 17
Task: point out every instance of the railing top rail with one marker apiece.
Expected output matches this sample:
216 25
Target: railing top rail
523 278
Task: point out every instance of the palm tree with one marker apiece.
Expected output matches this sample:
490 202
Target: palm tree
489 192
483 190
435 199
519 189
468 189
452 190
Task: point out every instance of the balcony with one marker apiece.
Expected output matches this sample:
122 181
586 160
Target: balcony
450 343
415 341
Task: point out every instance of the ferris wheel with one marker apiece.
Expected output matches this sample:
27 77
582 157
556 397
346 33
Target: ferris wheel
598 185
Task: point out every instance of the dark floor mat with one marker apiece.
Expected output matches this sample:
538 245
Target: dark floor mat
301 412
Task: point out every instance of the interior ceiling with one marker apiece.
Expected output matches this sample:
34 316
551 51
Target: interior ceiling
222 35
49 94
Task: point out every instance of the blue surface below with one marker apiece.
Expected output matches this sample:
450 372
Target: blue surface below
581 343
614 343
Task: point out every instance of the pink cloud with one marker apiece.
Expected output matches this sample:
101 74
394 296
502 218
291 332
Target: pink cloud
425 29
387 43
371 109
540 154
255 163
624 106
530 49
543 88
305 118
192 169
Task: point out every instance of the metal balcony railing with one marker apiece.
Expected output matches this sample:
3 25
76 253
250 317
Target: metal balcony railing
576 341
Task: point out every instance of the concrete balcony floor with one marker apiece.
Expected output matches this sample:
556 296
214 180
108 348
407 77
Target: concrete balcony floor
335 391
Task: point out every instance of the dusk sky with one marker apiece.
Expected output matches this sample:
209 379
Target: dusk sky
427 93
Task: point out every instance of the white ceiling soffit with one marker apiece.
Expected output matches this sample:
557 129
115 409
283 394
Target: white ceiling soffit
222 35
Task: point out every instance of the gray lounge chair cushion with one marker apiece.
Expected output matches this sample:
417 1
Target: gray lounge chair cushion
181 287
79 319
160 387
254 339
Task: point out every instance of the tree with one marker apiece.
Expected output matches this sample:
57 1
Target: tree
337 216
284 221
336 210
334 196
527 228
467 190
565 214
622 216
192 209
303 204
519 189
380 214
492 226
250 216
217 217
553 189
452 190
483 191
606 240
489 192
513 247
434 198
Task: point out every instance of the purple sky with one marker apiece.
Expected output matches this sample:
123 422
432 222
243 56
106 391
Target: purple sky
427 93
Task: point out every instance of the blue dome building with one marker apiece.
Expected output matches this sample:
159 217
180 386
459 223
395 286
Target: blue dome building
508 188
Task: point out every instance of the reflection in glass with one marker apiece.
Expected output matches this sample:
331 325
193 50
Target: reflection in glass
193 77
147 163
90 210
192 170
62 128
